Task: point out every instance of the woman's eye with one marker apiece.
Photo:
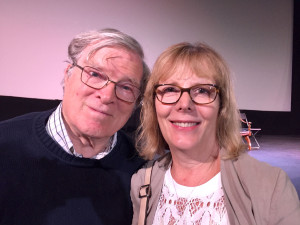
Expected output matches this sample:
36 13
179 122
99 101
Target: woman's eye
201 90
170 90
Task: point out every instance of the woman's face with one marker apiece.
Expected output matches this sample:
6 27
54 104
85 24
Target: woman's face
186 125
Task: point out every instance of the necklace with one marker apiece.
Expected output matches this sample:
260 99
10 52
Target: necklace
181 203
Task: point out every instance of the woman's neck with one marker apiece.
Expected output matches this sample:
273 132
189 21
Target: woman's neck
190 169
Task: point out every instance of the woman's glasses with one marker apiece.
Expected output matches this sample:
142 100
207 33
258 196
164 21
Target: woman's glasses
200 93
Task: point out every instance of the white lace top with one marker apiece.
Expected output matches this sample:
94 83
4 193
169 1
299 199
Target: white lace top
182 205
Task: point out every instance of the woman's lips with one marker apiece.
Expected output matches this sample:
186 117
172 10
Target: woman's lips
185 124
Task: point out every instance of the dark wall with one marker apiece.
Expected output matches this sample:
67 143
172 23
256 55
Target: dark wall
270 122
14 106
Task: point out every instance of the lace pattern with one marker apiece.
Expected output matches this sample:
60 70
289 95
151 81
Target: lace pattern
182 205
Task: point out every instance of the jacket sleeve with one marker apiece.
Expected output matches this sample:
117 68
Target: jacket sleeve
257 193
285 205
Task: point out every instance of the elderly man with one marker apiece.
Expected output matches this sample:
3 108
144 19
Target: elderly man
72 165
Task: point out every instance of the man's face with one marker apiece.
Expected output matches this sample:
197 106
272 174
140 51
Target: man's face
91 113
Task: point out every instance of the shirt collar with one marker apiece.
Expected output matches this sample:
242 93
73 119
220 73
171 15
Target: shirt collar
56 129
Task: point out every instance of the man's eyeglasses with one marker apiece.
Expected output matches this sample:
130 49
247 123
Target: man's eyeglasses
94 78
200 93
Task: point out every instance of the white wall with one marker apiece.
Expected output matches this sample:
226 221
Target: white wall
255 37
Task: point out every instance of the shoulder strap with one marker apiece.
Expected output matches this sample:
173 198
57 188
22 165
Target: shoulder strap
145 193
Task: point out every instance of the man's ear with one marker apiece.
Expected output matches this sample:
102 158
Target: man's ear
67 72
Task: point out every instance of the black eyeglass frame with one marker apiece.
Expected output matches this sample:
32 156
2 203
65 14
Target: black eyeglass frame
188 90
108 80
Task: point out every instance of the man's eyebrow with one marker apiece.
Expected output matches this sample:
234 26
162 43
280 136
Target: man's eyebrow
134 82
97 67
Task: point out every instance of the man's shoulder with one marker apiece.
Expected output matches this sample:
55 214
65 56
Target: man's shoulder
123 156
125 138
22 126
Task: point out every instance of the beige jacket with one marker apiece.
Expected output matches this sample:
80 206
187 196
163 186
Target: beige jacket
255 192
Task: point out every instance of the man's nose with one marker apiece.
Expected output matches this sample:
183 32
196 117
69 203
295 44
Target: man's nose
107 92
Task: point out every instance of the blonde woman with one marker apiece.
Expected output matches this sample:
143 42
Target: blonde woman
204 176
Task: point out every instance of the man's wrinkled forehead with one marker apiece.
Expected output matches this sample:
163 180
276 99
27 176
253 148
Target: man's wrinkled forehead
115 58
114 51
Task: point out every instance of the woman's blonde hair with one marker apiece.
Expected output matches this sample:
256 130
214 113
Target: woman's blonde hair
202 60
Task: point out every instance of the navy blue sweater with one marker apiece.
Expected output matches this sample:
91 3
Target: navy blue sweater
42 184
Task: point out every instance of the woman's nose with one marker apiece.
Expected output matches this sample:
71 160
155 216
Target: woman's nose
185 102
